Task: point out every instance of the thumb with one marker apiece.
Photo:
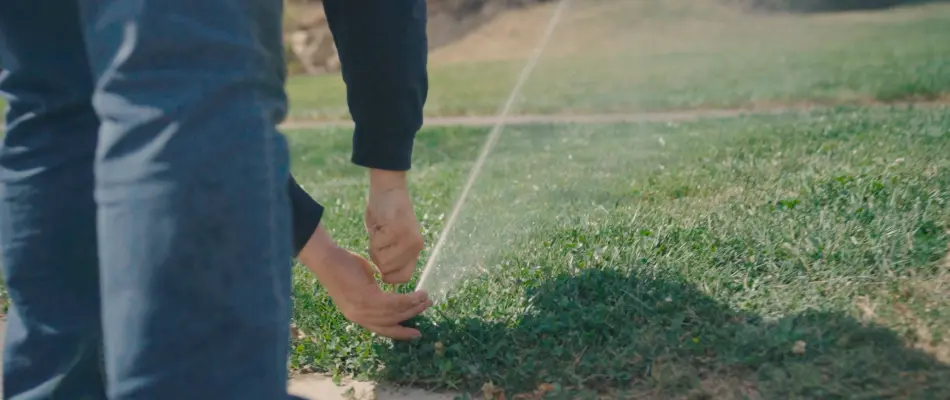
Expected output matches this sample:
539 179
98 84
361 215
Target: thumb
367 267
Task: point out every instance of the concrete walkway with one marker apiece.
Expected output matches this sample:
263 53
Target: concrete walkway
318 387
632 117
487 121
625 117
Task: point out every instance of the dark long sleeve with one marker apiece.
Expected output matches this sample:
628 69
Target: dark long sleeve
383 50
306 214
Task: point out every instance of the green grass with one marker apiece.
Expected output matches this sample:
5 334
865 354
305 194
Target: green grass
667 259
641 56
790 256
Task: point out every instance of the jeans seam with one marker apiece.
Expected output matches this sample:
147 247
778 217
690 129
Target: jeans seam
273 224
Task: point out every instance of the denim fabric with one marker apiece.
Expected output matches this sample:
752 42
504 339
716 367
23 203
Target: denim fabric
143 199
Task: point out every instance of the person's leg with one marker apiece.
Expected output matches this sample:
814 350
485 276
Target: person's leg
47 211
194 220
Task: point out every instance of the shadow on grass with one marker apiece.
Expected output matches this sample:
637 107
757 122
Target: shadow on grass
830 6
604 331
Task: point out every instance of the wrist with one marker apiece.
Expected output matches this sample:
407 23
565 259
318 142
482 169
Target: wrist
382 180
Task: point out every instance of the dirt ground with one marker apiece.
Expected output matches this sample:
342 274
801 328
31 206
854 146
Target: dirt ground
315 387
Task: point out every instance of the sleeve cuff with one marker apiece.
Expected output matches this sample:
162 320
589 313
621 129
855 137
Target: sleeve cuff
305 213
375 151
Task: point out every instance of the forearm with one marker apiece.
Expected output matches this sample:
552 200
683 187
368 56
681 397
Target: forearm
383 48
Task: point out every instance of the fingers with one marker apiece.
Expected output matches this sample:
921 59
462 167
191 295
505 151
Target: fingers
408 314
382 238
396 306
400 275
390 310
396 332
397 262
382 243
377 257
397 317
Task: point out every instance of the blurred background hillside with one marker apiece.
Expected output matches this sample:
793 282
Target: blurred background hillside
310 44
311 50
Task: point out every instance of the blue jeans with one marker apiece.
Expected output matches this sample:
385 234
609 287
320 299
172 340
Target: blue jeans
143 204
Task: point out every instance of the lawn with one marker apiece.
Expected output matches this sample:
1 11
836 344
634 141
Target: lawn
790 256
799 255
634 56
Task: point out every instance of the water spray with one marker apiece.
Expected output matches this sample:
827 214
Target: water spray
492 138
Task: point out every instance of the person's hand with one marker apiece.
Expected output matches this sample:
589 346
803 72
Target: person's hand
395 239
350 281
